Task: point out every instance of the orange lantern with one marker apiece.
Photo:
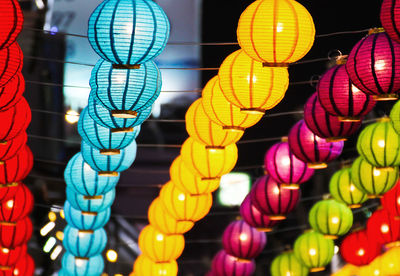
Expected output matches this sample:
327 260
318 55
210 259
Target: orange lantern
146 267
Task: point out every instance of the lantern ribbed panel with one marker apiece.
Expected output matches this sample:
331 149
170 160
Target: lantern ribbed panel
11 61
9 257
287 264
13 235
395 116
14 120
253 217
84 244
92 266
16 168
11 93
390 262
390 18
12 147
7 192
224 264
85 221
18 206
11 21
25 266
146 267
383 227
391 201
96 204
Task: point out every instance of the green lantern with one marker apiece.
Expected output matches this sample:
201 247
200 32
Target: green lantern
287 264
342 189
373 180
379 144
395 116
330 218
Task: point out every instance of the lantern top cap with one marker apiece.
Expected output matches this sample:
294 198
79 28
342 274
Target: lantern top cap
326 196
383 119
342 59
376 31
357 229
284 139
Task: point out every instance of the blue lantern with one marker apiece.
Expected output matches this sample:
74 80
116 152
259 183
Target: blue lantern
126 91
84 244
92 204
101 137
75 266
128 32
85 220
80 177
109 164
62 273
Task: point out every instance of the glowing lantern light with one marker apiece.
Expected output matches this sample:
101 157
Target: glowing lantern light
390 19
72 265
25 266
85 220
233 188
18 206
91 204
13 235
11 93
12 147
16 168
286 264
84 244
390 262
14 120
11 60
146 267
11 21
253 217
383 228
391 201
225 264
10 256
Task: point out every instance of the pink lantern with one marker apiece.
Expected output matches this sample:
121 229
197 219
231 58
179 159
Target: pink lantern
224 264
253 217
270 199
390 18
285 168
310 148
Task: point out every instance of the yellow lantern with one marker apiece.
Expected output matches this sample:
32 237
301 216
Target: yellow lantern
146 267
222 112
347 270
208 163
391 262
159 247
375 268
188 182
249 85
164 222
276 32
205 131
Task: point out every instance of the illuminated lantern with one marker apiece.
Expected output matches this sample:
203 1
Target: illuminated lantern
84 244
80 177
14 120
126 91
383 228
209 164
390 262
379 144
313 250
277 42
287 264
205 131
12 92
325 125
243 241
224 264
24 266
339 97
249 85
164 222
10 256
270 199
188 182
372 66
7 191
348 270
160 247
222 112
128 32
182 206
358 249
11 21
310 148
144 266
13 235
103 138
395 117
342 189
10 148
16 168
391 201
285 167
11 60
390 18
374 268
330 218
253 217
371 180
85 220
74 266
17 207
91 204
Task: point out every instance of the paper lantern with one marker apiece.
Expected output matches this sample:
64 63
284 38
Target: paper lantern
222 112
358 249
271 199
390 18
164 222
330 218
160 247
10 256
313 250
209 164
11 60
374 268
243 241
85 220
14 120
395 116
391 201
253 217
249 85
103 138
182 206
13 235
16 168
109 165
342 189
339 97
371 180
188 182
126 91
24 266
10 148
84 244
74 266
283 166
128 32
17 207
372 66
383 228
11 93
287 264
90 204
347 270
144 266
80 177
224 264
379 144
390 262
325 125
205 131
11 21
8 191
310 148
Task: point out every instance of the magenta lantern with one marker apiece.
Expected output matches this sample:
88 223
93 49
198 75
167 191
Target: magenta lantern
224 264
310 148
339 97
285 168
253 217
374 66
271 199
390 18
325 125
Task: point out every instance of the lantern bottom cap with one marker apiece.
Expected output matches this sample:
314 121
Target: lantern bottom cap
275 64
264 229
385 169
317 166
110 151
234 128
349 119
392 244
106 173
335 139
214 148
86 231
93 197
277 217
397 217
317 269
253 110
331 237
126 66
243 260
124 114
5 267
386 97
122 130
290 186
354 206
374 196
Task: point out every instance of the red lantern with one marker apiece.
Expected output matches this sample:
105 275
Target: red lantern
17 207
11 60
383 228
25 266
391 201
390 18
8 191
9 257
10 148
11 21
13 235
14 120
17 168
11 93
